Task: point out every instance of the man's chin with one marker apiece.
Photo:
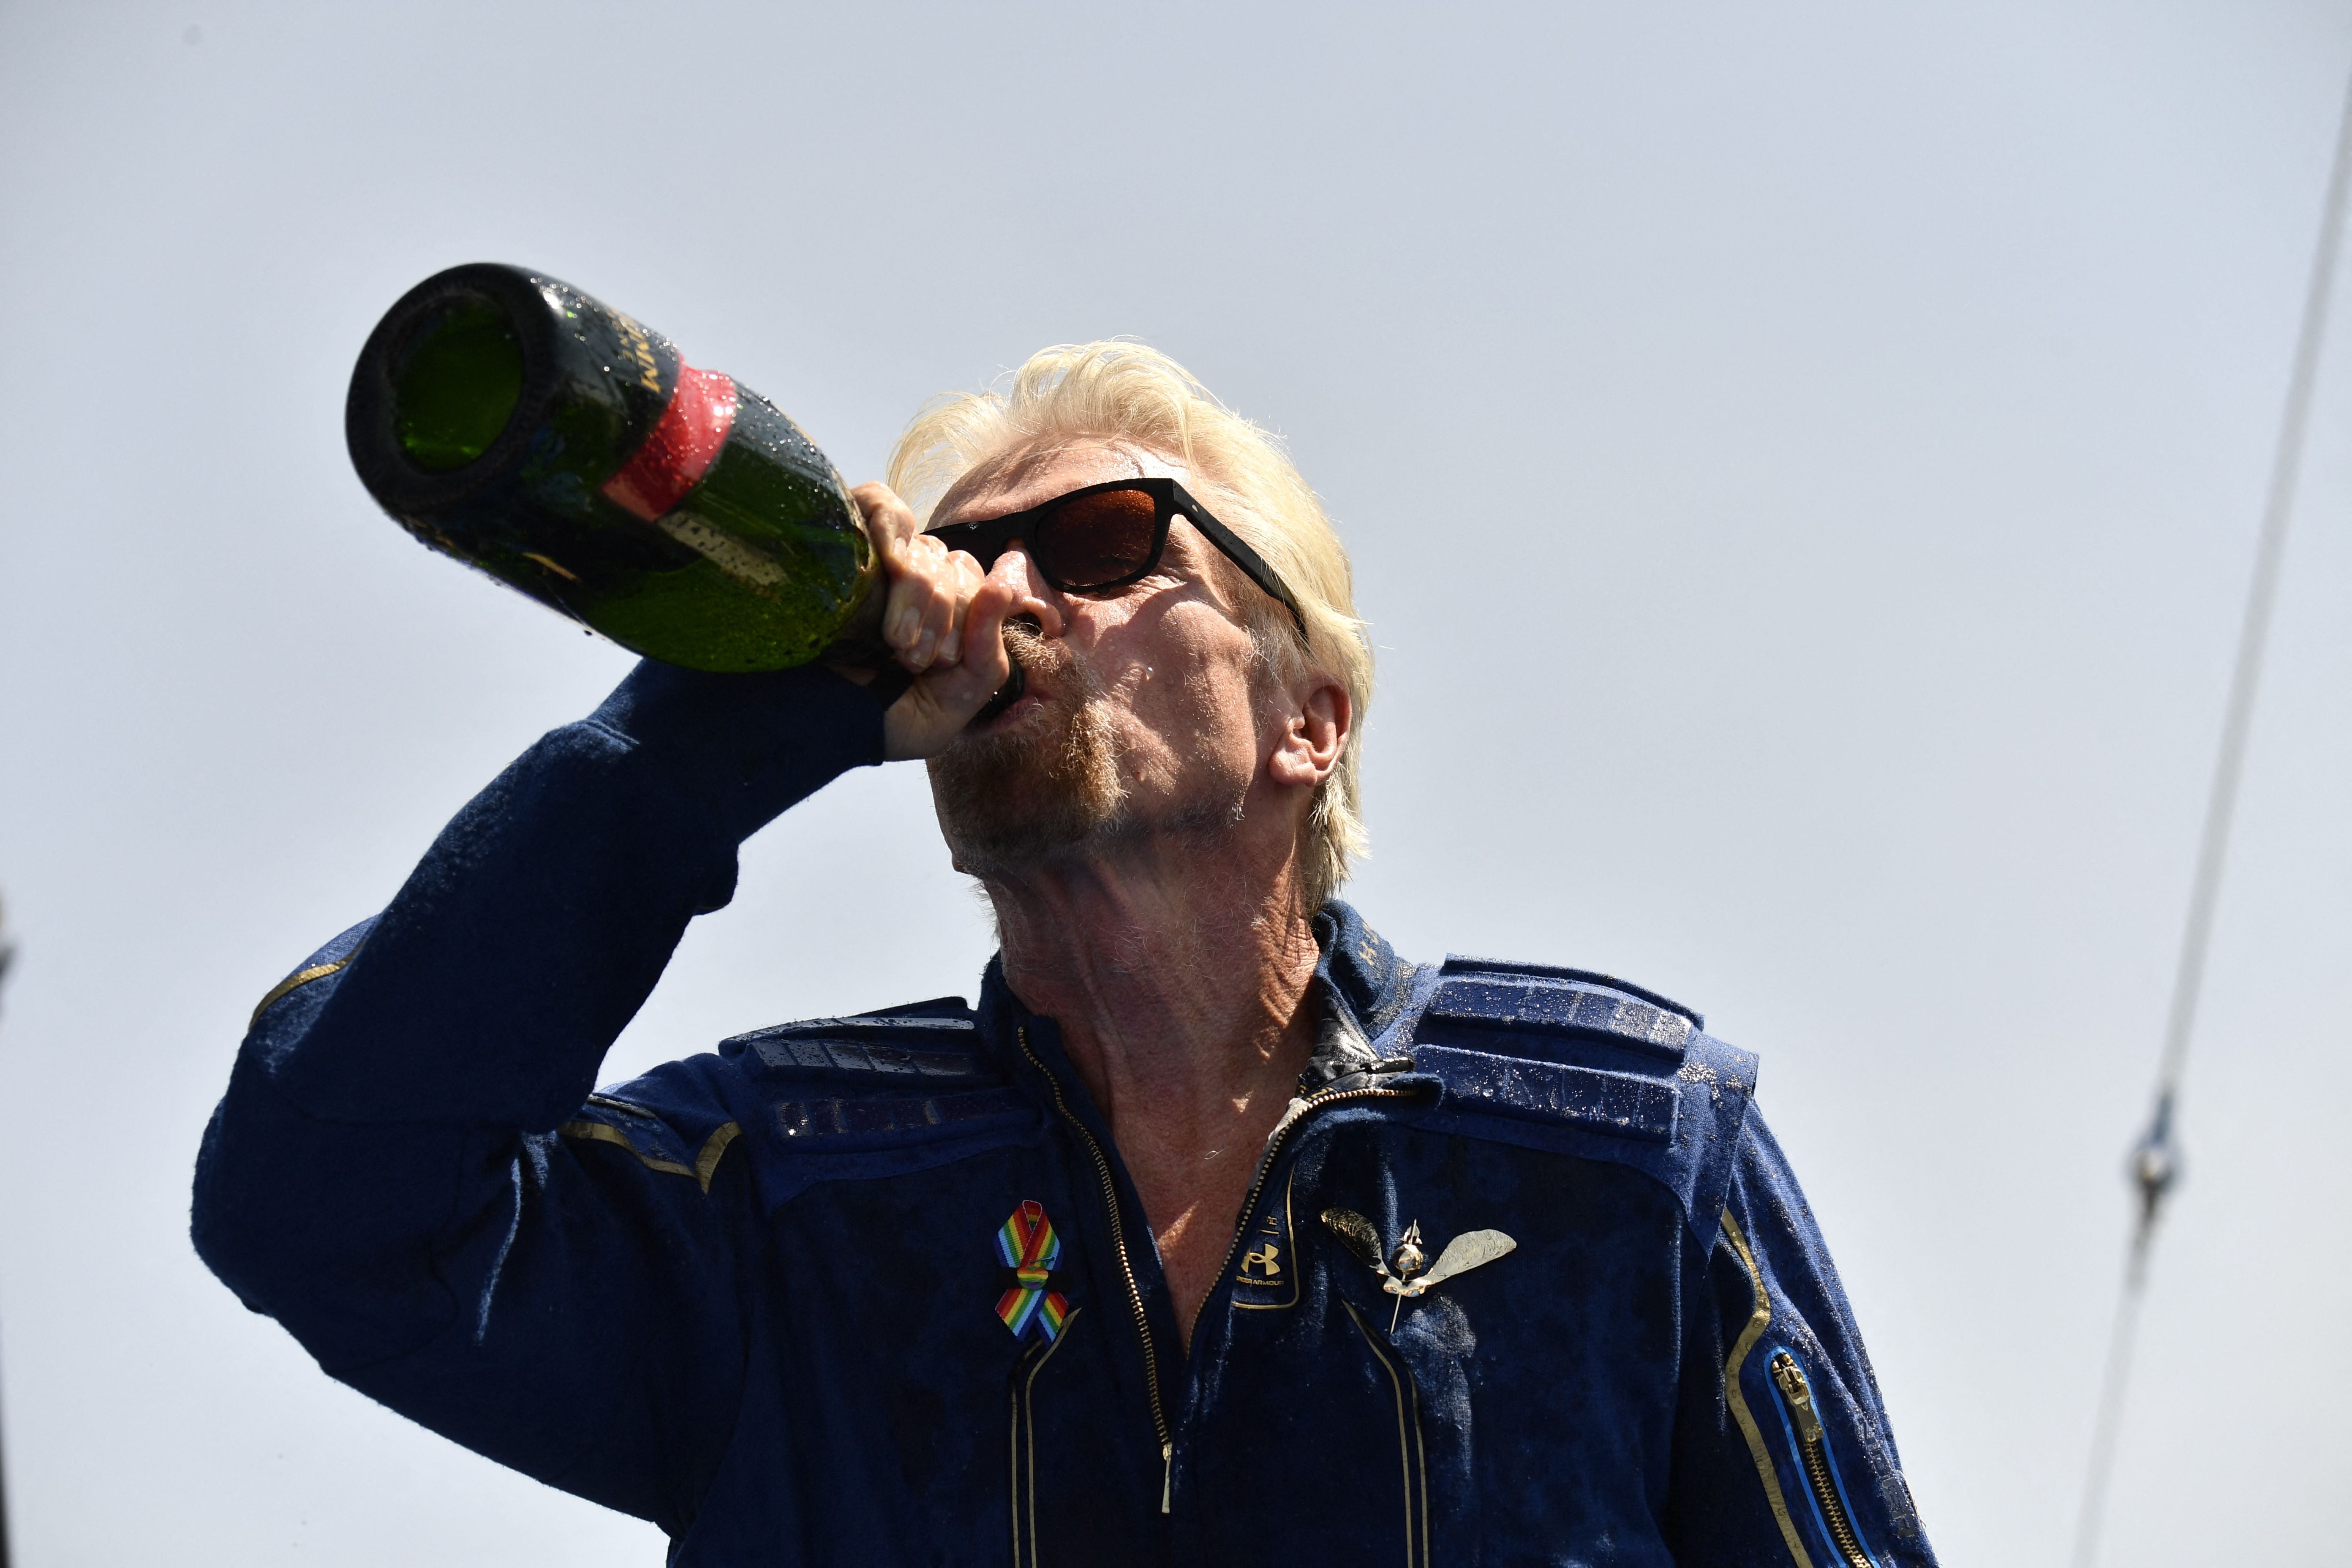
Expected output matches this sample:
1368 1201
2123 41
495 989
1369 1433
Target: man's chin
1040 781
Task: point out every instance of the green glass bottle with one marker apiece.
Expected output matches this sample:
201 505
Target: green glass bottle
531 430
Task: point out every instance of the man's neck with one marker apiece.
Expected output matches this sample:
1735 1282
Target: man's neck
1179 974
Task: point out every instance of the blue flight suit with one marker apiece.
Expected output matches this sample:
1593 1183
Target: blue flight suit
879 1289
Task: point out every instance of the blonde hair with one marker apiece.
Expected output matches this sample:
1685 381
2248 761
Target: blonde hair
1121 391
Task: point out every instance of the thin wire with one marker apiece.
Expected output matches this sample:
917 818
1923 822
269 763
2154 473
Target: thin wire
2190 978
2103 1441
2120 1341
2155 1163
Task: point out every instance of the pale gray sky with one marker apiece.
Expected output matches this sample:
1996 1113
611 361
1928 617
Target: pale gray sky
1802 465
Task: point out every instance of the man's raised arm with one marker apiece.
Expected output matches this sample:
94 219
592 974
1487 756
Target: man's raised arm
380 1176
384 1175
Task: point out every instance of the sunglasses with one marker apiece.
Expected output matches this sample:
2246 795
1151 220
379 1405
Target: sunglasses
1103 537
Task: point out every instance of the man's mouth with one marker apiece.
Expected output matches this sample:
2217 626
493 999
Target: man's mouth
1006 695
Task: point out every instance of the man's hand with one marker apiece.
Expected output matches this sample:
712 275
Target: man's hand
943 620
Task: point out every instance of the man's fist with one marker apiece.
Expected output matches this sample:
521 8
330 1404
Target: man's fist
943 620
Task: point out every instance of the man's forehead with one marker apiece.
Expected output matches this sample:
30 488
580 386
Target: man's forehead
1033 474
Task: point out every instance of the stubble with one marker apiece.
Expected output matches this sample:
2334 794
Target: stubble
1050 787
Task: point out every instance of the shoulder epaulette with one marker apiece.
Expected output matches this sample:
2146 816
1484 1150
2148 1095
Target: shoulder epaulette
922 1045
1588 1065
878 1094
916 1071
822 1099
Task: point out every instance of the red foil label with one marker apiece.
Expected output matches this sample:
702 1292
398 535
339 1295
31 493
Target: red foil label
684 443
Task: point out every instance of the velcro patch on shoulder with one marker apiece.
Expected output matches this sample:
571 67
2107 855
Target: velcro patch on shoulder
877 1052
1564 1016
1620 1104
1550 1007
887 1085
1511 968
869 1121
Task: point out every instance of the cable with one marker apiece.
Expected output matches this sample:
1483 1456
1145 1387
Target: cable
2154 1164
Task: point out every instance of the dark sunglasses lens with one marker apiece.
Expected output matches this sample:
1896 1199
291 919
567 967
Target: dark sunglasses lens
1091 541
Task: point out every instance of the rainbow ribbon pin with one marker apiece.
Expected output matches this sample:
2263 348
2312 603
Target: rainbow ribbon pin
1027 1244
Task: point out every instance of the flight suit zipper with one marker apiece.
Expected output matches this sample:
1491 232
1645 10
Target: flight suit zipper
1813 1451
1275 1139
1127 1273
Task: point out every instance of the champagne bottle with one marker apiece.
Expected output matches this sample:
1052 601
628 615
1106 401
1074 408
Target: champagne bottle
527 428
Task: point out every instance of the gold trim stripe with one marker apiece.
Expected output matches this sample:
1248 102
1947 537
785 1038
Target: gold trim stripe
1024 1441
1738 1401
1013 1458
294 982
1409 1443
704 1166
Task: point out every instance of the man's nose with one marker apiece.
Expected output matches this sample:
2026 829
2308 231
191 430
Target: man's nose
1033 596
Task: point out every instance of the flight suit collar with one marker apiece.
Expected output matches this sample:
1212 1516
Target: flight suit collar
1360 981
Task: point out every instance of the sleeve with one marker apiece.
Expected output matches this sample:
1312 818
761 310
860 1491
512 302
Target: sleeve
1784 1454
386 1176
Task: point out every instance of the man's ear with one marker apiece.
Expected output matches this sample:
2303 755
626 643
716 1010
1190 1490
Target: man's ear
1314 736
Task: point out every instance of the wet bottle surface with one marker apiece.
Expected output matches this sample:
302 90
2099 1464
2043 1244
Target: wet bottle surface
525 427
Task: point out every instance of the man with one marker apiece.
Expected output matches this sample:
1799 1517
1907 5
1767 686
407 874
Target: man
1216 1233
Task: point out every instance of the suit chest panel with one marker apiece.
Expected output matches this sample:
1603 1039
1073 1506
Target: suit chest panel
1524 1403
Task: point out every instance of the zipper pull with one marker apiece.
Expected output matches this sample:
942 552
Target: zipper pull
1800 1395
1167 1474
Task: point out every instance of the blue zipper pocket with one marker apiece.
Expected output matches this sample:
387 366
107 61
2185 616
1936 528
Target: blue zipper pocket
1813 1446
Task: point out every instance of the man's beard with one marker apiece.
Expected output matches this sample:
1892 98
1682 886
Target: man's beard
1049 787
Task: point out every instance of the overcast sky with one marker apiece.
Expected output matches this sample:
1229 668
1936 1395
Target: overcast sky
1802 465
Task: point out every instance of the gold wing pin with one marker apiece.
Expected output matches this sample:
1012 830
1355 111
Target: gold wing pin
1407 1272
